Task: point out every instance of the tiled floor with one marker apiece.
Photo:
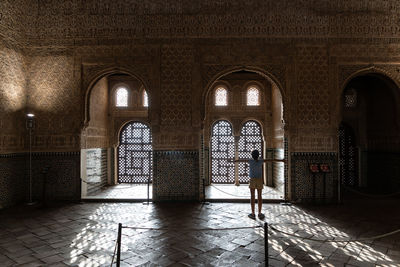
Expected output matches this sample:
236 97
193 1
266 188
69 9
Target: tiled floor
85 234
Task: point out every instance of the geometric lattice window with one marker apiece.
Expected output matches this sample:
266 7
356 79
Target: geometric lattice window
145 99
249 140
121 97
348 154
221 96
350 98
135 154
222 150
253 96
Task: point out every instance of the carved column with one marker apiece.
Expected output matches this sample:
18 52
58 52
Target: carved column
236 158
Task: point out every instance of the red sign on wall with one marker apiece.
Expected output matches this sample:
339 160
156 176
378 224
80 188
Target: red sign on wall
324 168
314 168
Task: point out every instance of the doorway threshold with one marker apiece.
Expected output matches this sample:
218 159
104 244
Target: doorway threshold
235 200
121 193
114 200
240 194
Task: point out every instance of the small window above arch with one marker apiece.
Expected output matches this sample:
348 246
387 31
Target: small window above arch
145 99
253 96
350 98
121 97
221 96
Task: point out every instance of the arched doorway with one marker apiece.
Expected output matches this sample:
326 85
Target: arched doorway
252 105
135 154
369 134
116 153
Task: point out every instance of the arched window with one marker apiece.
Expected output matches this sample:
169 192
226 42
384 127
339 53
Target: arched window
222 150
221 96
249 140
135 154
121 97
253 96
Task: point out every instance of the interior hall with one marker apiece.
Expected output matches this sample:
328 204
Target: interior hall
127 130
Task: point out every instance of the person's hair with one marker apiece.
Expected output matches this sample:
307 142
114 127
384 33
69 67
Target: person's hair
255 154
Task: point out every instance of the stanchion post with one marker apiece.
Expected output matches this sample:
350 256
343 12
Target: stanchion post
119 244
324 189
266 243
313 187
204 189
148 190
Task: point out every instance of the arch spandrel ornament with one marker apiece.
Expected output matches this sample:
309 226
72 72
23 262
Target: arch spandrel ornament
93 73
349 72
212 73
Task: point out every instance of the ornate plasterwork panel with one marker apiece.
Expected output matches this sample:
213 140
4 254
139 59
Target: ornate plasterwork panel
53 95
12 99
313 93
212 71
12 79
172 139
106 19
176 86
98 60
11 21
351 70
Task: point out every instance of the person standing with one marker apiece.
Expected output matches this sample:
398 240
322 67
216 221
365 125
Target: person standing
256 180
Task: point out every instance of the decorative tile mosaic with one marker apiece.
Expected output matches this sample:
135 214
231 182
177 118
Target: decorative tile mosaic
176 175
302 178
96 170
286 167
60 170
202 168
62 180
13 182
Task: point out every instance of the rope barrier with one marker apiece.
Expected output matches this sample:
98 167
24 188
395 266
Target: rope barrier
372 195
121 188
86 182
337 241
115 250
271 227
245 196
193 229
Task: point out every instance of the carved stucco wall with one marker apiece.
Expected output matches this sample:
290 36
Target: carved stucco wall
176 130
308 48
311 113
207 18
13 180
12 13
12 99
53 94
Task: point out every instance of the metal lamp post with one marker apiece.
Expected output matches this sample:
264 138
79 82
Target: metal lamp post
30 125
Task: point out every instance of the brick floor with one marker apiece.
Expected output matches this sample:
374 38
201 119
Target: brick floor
85 234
